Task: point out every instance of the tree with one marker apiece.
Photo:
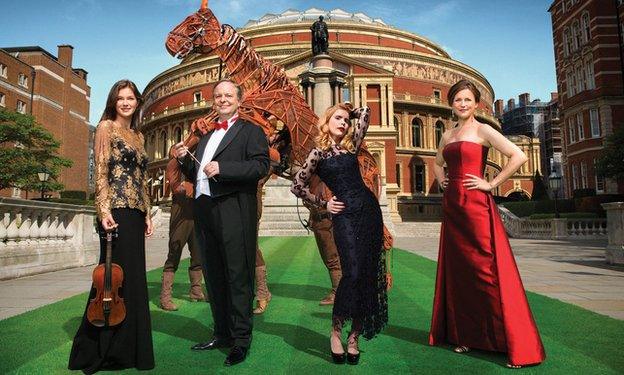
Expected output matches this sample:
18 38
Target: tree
610 163
27 148
540 192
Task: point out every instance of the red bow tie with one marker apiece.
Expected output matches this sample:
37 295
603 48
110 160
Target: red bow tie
224 124
221 125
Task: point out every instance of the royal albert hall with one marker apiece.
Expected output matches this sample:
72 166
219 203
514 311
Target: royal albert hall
401 76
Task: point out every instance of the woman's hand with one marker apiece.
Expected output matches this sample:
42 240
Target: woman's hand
149 227
444 183
476 182
334 206
108 223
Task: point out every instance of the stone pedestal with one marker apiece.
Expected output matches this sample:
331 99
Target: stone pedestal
281 212
321 82
559 228
614 252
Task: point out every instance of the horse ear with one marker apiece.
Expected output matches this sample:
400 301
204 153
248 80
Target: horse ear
204 4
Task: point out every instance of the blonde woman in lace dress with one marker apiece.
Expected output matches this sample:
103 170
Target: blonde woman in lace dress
122 203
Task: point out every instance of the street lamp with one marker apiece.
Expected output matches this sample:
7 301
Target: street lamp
44 175
554 181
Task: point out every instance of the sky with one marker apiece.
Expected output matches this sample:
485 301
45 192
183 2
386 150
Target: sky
509 42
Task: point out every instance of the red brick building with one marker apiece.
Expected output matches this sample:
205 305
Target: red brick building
587 38
33 81
401 76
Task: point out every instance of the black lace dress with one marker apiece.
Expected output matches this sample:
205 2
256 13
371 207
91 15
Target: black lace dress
358 231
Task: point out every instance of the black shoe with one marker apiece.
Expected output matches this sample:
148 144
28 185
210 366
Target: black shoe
353 359
215 343
339 358
237 355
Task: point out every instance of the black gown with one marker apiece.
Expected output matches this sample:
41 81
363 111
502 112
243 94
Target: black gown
121 190
358 232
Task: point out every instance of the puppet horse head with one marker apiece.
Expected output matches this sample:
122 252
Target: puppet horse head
199 32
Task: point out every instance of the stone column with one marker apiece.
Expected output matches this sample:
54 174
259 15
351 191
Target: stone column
383 102
614 253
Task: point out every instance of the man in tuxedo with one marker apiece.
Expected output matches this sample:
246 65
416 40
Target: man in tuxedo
230 161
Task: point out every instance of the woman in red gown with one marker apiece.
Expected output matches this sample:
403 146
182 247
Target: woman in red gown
479 299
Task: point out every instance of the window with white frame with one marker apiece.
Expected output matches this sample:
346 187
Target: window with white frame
21 106
580 79
566 42
197 96
22 80
583 175
575 182
17 193
2 99
585 27
580 126
589 74
575 35
600 181
594 122
570 84
572 136
3 70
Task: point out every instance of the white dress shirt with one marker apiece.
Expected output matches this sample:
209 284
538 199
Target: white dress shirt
203 187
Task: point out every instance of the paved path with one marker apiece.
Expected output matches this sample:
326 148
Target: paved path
571 271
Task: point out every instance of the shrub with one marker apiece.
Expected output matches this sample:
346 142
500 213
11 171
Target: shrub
74 194
580 193
593 204
565 215
524 209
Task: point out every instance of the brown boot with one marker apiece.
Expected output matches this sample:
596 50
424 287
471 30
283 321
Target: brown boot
335 276
165 292
196 293
262 290
329 299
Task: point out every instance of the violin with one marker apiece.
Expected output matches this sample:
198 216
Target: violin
107 309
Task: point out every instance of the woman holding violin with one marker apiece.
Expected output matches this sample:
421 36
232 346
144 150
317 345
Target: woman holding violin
110 340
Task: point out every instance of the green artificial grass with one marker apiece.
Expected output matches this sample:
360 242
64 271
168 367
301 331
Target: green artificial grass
292 336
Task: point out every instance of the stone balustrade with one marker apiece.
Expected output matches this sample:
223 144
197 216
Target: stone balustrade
38 237
614 252
552 228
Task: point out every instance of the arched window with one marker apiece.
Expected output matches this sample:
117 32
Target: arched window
566 42
576 37
439 130
585 27
177 135
416 132
163 144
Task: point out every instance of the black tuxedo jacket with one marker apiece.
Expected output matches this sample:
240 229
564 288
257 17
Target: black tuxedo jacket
243 157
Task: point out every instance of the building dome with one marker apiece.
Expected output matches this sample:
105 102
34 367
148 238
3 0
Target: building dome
402 76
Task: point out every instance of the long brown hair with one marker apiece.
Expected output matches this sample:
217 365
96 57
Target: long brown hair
110 111
323 140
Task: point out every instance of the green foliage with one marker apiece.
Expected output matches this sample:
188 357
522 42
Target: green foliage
566 215
610 162
25 149
540 192
581 193
74 194
528 208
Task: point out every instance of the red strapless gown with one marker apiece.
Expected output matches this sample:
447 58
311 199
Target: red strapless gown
479 298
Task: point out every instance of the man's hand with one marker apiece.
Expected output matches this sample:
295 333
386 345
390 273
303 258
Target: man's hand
211 169
180 150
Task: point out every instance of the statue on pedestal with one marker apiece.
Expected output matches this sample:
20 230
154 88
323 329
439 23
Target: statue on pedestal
320 37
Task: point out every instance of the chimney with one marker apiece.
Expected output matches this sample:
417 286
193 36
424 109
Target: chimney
524 99
554 96
65 54
511 104
499 107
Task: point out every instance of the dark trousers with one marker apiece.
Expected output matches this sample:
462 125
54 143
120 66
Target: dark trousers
226 228
181 233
